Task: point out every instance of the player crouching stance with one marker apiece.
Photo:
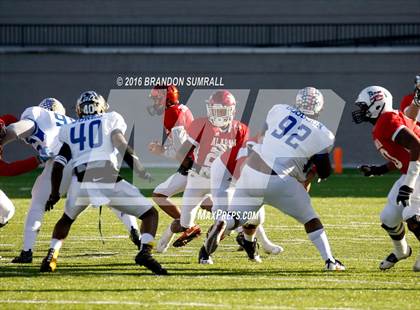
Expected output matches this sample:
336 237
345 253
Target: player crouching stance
92 142
397 139
293 142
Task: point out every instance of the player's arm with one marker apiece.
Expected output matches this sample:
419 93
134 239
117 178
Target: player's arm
19 130
410 142
182 154
130 157
374 170
60 161
413 109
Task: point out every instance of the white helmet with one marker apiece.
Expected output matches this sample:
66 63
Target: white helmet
221 108
310 101
52 104
372 101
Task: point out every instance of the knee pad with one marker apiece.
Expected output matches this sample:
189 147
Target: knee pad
397 232
413 224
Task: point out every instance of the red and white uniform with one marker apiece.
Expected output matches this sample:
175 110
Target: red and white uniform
386 129
15 168
176 120
405 102
210 142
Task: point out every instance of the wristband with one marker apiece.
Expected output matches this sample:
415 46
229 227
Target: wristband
412 173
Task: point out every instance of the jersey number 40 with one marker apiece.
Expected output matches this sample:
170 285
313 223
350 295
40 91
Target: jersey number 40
93 132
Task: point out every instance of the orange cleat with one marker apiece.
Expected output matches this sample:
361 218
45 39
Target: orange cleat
187 236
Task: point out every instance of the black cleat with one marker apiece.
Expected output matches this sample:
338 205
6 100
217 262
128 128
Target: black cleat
214 236
145 258
135 237
49 263
250 247
204 258
25 257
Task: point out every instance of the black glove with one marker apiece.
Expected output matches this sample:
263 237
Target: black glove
372 170
416 99
404 194
54 198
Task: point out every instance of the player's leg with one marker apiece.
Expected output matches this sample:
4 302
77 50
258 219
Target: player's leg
127 199
411 215
268 246
289 196
161 196
62 227
246 201
130 223
392 223
40 193
194 193
7 209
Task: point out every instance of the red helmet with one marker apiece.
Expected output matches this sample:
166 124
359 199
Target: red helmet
221 108
162 96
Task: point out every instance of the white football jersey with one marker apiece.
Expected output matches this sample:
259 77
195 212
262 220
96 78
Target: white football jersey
291 140
89 138
47 127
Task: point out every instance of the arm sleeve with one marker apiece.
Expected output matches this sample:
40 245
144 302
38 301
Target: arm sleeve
18 167
406 101
322 164
64 156
117 122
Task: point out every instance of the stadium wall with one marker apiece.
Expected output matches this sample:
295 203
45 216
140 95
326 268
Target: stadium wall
27 76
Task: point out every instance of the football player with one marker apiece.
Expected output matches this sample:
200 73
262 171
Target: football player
293 141
225 170
406 104
7 209
209 137
397 138
91 144
177 118
39 127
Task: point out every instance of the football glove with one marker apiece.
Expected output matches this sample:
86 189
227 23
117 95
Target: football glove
372 170
52 200
404 194
416 99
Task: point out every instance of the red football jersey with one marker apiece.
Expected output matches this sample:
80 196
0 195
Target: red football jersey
405 102
235 158
19 166
386 129
177 115
212 141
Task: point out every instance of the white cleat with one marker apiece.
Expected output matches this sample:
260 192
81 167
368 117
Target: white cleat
335 265
256 259
208 261
272 249
392 259
165 240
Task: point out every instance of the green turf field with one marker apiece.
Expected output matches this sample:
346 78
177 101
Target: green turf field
95 275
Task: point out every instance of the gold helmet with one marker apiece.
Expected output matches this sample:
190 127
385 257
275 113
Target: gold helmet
90 103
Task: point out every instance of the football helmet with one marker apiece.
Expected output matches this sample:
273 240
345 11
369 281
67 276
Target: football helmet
310 101
372 101
90 103
162 97
52 104
221 108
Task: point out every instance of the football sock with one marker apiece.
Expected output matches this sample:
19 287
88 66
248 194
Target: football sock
320 240
262 236
147 238
230 223
128 220
401 247
249 238
29 239
56 244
